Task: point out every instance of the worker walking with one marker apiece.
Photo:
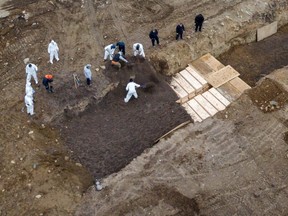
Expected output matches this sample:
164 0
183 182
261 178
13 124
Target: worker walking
199 19
47 80
179 31
29 103
53 50
31 71
116 60
131 88
109 51
88 74
138 50
154 37
121 47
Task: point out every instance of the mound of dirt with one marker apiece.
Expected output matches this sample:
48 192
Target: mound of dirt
269 96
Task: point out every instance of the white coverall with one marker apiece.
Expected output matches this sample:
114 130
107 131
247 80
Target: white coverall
29 89
140 51
109 51
53 50
29 104
87 71
31 71
131 88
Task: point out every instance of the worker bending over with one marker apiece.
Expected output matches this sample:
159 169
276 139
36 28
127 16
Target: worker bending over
109 51
47 80
116 60
138 50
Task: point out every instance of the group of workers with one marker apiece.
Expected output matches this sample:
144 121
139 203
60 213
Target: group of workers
31 71
138 50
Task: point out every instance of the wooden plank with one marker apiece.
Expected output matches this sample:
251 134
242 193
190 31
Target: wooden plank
185 85
196 85
206 105
198 109
213 100
182 94
174 129
192 113
212 62
230 92
194 73
239 84
219 96
222 76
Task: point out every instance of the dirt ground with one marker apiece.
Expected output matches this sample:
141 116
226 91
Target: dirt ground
48 162
109 134
255 60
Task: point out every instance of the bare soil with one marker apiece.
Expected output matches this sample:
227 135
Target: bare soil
49 161
110 133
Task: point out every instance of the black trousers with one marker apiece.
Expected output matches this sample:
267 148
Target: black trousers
155 39
122 49
88 81
198 26
179 35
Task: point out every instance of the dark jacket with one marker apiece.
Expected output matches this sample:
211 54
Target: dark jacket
199 19
153 34
116 57
46 81
180 29
120 44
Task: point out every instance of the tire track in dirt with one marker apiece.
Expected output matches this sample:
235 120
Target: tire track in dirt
118 21
96 35
20 47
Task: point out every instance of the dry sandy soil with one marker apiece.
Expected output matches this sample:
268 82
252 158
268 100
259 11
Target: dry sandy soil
232 164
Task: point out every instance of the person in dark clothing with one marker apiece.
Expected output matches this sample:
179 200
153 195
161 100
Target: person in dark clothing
116 60
121 47
199 19
47 79
179 31
154 37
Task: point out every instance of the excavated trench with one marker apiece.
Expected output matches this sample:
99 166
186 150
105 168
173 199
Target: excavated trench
257 59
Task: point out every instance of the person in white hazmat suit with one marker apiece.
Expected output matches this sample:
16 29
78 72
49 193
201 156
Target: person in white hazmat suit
29 89
31 71
29 103
53 50
109 51
88 74
138 50
131 88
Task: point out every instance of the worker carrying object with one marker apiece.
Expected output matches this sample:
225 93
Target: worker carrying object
179 31
47 80
116 60
131 88
88 74
53 50
31 71
138 50
199 19
29 103
154 37
121 47
109 51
